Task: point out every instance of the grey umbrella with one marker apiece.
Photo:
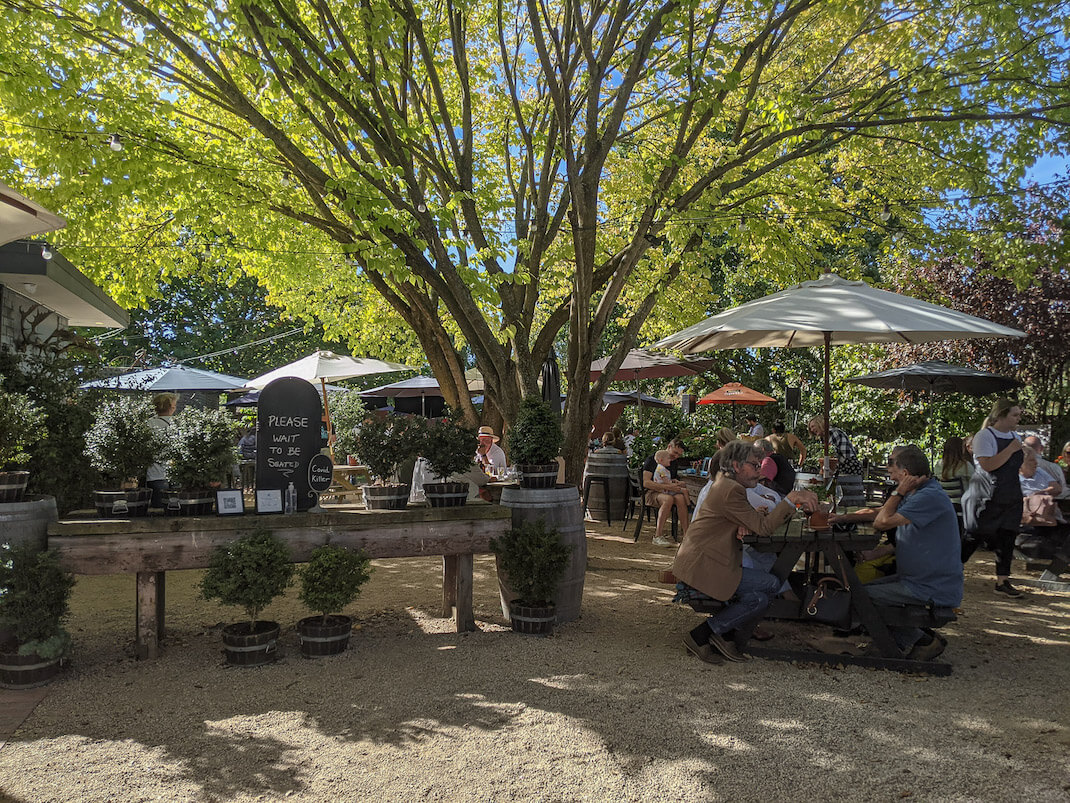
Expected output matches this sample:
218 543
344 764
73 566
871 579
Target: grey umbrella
169 378
831 311
937 376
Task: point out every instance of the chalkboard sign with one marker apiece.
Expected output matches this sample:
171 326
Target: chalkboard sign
288 437
320 473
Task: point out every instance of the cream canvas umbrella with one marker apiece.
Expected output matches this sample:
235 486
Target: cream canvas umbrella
827 312
20 217
323 365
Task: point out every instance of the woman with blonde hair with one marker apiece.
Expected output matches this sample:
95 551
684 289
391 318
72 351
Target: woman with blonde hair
992 505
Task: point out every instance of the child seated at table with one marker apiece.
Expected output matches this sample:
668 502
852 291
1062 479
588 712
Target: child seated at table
663 458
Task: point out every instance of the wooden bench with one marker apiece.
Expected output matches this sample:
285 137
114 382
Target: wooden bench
149 547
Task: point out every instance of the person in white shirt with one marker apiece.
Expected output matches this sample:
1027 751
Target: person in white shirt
1052 470
489 454
756 430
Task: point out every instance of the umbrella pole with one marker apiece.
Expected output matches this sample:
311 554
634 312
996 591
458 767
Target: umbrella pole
828 390
327 411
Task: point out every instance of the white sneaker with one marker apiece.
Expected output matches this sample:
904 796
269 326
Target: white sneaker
662 541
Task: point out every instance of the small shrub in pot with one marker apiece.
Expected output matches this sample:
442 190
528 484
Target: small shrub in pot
202 448
330 581
383 443
448 447
535 441
249 572
534 559
121 445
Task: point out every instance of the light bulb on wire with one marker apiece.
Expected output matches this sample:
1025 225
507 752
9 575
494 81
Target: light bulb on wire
46 252
115 142
885 214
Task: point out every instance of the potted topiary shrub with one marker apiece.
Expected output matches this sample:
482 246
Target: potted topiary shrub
202 451
22 424
382 444
347 413
535 442
330 580
34 596
249 572
533 558
122 445
447 448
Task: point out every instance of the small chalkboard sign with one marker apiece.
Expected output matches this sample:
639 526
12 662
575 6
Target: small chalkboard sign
320 473
288 437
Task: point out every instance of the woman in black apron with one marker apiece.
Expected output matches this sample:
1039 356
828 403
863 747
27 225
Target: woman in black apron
992 505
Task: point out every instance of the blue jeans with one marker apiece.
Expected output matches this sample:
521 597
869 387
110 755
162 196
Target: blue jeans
752 597
889 591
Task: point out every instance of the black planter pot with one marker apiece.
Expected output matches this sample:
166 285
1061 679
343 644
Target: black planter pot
446 494
319 638
122 504
532 619
386 497
13 485
542 475
27 671
255 645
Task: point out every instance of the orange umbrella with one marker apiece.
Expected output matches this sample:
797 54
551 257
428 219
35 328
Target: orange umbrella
735 393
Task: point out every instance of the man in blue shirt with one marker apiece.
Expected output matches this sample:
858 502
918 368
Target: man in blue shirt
927 548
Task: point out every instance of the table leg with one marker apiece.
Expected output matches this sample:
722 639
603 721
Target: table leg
449 584
861 602
146 644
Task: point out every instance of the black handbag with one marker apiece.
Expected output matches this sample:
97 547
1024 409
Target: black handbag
828 601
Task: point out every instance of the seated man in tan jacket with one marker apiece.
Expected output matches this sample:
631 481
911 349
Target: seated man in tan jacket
711 556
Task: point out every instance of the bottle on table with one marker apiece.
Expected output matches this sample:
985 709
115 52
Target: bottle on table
291 499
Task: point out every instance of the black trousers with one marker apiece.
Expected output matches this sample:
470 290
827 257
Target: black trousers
1001 542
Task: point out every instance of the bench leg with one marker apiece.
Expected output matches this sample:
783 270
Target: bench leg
465 616
147 636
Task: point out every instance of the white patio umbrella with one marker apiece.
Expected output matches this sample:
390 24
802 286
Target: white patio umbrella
831 311
324 365
20 217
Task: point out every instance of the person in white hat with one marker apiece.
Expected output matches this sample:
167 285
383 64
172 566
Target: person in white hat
489 454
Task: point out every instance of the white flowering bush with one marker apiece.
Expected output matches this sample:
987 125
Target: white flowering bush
202 447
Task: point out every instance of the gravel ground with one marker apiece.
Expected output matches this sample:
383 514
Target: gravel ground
609 708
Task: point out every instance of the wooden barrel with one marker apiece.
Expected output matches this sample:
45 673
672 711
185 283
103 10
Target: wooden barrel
245 647
27 521
614 467
122 504
446 494
13 485
320 639
386 497
26 671
559 507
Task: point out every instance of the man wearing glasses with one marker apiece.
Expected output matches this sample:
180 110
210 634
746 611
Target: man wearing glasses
710 559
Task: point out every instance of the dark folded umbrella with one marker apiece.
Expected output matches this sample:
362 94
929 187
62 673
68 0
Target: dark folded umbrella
937 376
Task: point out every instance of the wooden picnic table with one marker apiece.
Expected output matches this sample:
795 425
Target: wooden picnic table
149 547
836 548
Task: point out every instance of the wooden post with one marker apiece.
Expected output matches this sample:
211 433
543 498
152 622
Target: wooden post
449 584
146 643
465 617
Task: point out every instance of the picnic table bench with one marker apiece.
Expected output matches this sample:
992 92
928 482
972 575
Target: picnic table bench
149 547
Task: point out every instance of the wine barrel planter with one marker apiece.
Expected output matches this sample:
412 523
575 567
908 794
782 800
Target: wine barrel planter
319 638
27 521
251 646
613 466
531 619
196 503
446 494
386 497
13 485
537 476
122 504
559 507
26 671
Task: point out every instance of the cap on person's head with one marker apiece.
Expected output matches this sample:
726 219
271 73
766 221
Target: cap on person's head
488 432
